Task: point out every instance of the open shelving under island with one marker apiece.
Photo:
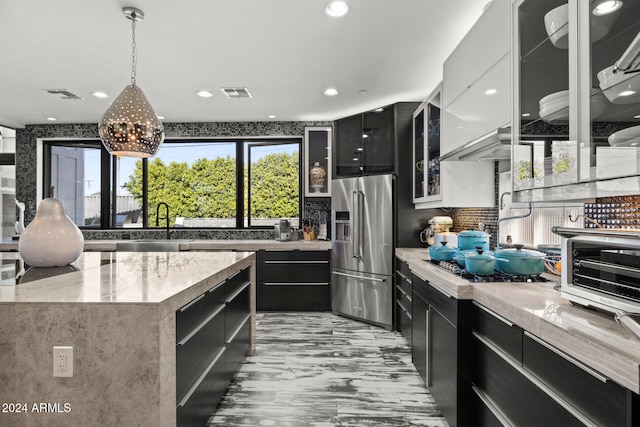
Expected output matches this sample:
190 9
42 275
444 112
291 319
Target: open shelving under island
154 335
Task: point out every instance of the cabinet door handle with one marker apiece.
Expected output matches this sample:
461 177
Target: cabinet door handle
200 326
568 358
490 312
186 307
238 292
428 348
296 283
492 408
403 276
405 294
193 388
237 331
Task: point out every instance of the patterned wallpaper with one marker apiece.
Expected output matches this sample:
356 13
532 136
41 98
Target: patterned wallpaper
26 166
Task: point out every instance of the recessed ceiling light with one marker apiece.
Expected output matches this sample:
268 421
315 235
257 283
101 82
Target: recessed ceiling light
204 93
161 117
99 94
490 92
355 159
637 116
606 7
331 91
337 8
272 116
627 93
526 114
51 119
364 135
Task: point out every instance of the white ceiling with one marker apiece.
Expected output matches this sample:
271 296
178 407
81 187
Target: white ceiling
286 52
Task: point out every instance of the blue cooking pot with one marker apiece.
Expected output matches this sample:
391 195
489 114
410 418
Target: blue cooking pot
481 265
442 252
520 262
471 239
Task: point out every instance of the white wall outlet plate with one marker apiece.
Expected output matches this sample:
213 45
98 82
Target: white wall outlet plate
62 361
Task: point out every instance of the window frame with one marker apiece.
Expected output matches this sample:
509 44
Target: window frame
107 172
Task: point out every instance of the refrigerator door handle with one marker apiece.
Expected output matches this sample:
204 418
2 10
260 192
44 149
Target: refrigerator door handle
373 279
360 223
355 244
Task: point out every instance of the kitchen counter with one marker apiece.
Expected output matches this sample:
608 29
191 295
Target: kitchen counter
206 245
118 312
589 336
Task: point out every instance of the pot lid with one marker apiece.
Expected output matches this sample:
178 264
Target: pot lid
473 233
520 253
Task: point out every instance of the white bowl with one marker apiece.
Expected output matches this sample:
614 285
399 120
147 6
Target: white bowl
562 95
613 84
556 24
629 137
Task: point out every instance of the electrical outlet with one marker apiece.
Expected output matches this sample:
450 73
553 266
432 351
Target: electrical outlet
62 361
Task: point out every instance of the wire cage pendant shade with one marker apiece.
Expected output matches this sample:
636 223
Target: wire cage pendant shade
130 127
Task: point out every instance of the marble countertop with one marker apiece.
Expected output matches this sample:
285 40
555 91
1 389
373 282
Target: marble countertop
203 245
589 336
171 278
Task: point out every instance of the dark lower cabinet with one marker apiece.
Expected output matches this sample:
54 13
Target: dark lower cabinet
441 347
519 379
213 339
294 281
404 300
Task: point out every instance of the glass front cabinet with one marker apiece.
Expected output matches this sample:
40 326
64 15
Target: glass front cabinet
576 69
317 161
426 149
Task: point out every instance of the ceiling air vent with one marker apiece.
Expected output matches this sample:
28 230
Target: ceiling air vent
62 94
236 92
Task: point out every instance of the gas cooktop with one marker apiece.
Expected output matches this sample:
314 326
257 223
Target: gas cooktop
497 276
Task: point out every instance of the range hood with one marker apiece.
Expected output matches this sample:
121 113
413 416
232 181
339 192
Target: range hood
495 145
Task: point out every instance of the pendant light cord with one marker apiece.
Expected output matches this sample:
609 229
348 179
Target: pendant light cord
133 49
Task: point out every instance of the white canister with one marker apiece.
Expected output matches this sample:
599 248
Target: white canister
448 236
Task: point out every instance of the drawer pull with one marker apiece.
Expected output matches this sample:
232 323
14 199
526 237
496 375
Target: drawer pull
402 291
237 331
186 307
492 408
235 274
296 283
403 308
535 381
238 292
195 330
568 358
296 262
440 291
494 314
403 276
195 386
373 279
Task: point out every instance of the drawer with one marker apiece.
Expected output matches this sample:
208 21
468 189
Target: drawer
403 268
404 321
195 312
195 352
403 283
297 255
599 398
296 272
445 304
236 283
513 394
498 330
294 297
196 408
237 349
419 287
235 312
484 412
279 255
404 299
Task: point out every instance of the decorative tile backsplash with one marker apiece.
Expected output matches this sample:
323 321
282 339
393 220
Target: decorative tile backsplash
27 166
613 212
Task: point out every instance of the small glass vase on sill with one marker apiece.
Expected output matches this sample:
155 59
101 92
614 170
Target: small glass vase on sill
51 239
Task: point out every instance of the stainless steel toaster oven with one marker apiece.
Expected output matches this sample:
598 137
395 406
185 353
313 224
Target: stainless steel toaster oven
601 268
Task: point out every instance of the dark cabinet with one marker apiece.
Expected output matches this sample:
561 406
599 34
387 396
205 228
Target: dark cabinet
404 300
294 281
369 143
212 341
521 380
441 344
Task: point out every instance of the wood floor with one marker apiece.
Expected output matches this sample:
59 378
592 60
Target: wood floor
322 370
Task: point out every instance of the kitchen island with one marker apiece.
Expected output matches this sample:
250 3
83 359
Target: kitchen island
118 312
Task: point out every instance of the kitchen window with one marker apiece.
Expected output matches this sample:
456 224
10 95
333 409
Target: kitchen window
206 183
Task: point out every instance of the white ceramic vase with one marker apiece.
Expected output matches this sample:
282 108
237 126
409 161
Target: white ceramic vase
51 239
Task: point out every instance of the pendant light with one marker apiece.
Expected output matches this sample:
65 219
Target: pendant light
130 127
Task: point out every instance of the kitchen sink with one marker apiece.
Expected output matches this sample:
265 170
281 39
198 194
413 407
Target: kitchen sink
150 245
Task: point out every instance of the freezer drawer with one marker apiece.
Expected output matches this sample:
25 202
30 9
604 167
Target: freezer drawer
363 296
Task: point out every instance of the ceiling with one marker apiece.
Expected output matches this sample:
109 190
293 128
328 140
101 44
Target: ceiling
285 52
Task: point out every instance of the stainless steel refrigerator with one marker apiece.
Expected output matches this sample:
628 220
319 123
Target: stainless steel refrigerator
362 243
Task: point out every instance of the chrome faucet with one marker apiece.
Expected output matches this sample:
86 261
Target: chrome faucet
166 218
508 218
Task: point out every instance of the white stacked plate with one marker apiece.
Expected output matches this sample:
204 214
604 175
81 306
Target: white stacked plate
554 108
556 24
629 137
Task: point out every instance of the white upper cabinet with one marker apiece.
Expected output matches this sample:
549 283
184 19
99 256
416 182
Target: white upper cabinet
476 92
576 103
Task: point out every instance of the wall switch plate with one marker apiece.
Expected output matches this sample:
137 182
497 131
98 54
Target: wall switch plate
62 361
